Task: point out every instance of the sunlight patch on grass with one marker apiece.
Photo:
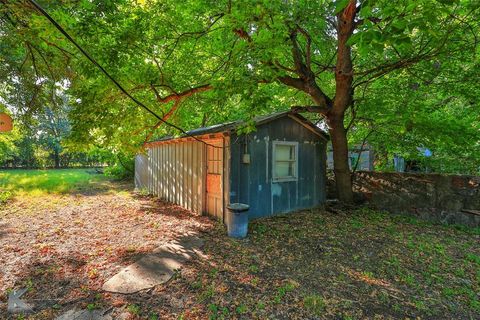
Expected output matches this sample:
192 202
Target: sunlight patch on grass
36 183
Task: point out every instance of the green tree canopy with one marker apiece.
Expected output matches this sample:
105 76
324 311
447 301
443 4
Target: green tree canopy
397 68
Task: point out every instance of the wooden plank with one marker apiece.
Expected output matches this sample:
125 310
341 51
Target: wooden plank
226 174
194 177
199 194
174 173
153 171
149 162
152 168
156 171
187 177
160 172
184 176
164 171
181 163
177 173
171 174
190 175
167 171
214 178
201 176
214 183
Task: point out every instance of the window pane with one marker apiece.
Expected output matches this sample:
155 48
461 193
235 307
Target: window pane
284 152
283 169
290 169
284 165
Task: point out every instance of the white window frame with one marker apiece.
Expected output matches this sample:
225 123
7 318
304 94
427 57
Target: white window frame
274 161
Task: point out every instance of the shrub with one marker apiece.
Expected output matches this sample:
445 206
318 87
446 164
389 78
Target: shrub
118 172
5 196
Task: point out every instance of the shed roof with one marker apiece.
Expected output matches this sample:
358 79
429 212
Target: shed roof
232 125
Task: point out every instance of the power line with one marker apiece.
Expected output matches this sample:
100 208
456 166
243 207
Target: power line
117 84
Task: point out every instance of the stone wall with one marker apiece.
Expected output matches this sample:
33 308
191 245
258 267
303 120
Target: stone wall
444 198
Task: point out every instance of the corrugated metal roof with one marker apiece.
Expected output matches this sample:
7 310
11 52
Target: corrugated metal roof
232 125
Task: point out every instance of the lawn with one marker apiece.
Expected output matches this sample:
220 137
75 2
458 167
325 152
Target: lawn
40 182
318 264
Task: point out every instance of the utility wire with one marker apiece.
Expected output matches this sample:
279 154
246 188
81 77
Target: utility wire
117 84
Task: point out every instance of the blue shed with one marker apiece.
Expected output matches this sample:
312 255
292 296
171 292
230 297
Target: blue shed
278 168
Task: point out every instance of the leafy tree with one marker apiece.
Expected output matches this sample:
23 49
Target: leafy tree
8 149
53 126
416 117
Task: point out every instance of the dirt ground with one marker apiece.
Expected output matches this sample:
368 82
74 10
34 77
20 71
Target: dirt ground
321 264
64 247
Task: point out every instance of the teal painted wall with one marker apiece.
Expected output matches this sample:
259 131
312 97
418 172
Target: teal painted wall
252 183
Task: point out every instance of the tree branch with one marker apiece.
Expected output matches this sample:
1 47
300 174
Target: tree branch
243 34
308 55
65 52
177 98
180 95
306 80
313 109
165 117
387 68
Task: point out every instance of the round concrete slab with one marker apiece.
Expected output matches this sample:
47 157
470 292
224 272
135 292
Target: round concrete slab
154 269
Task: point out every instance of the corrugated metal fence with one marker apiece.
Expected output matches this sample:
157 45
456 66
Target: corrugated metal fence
176 173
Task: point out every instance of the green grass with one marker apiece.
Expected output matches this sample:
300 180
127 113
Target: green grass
315 304
39 182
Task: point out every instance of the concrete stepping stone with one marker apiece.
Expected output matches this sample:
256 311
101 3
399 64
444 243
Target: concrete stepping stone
155 268
15 305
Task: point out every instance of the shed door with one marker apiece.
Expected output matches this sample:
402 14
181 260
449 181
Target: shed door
214 188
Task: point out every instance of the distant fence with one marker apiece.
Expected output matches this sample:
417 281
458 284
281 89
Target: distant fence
438 197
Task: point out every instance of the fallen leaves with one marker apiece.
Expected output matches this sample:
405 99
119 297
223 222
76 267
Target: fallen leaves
71 246
308 265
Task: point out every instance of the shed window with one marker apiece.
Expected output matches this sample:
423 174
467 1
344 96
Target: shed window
285 164
214 160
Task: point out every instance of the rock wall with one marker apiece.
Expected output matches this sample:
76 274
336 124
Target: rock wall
444 198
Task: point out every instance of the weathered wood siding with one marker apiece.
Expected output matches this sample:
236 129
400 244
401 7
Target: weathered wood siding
176 173
214 197
252 183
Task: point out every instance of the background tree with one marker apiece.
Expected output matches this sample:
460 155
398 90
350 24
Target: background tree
53 126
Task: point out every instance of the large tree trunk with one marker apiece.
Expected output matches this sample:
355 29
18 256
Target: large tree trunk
341 168
343 100
332 110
